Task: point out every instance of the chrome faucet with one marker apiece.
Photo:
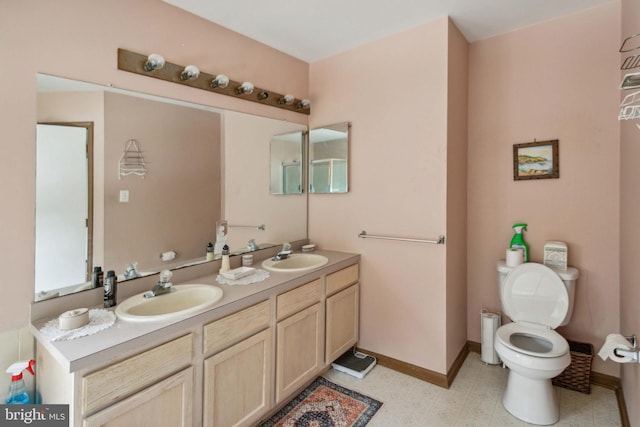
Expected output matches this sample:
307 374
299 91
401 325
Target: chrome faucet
131 272
252 245
284 252
164 285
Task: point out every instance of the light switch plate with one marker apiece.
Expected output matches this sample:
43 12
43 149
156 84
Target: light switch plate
124 196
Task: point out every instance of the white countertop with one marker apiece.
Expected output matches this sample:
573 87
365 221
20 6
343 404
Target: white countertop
128 337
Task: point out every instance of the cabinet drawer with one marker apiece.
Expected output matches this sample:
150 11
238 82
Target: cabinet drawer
233 328
299 298
124 378
168 403
341 279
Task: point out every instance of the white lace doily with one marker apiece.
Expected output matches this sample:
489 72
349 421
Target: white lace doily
99 319
257 276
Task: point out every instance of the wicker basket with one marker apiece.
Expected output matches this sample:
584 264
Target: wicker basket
577 376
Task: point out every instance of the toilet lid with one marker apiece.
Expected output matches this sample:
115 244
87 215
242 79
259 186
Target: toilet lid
534 293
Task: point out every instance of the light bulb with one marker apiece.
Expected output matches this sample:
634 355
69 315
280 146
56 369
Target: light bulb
305 104
154 62
287 100
191 72
220 81
245 88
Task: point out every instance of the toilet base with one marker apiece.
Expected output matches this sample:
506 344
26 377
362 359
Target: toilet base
531 400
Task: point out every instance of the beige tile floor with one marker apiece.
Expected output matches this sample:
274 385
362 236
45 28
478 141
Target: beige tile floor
474 399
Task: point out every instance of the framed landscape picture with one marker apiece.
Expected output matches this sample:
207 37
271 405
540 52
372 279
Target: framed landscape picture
536 160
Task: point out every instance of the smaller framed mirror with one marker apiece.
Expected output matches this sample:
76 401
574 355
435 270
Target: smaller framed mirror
329 159
286 163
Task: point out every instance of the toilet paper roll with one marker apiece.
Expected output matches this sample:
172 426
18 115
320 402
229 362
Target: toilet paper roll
613 342
73 319
514 257
168 256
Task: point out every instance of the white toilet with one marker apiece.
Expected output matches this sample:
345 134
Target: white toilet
537 299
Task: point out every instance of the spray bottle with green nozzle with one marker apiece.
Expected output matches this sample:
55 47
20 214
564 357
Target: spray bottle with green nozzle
518 240
17 392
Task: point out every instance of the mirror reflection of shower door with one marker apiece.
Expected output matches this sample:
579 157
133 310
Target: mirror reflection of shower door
320 176
292 178
328 176
63 208
338 175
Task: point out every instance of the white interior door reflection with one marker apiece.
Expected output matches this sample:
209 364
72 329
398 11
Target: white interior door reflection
62 206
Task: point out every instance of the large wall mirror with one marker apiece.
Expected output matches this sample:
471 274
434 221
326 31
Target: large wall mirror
201 164
329 159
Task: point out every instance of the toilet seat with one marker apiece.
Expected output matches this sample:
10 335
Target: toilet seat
532 340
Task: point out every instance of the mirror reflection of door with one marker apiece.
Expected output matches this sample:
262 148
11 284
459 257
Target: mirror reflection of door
63 204
292 176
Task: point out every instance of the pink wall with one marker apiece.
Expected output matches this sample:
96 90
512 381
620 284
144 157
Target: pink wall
394 92
79 40
555 80
456 234
629 232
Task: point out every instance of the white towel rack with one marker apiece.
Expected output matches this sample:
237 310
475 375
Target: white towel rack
440 241
257 227
131 161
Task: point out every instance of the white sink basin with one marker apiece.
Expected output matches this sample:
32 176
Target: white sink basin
296 262
183 300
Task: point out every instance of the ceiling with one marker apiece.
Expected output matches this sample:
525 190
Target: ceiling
312 30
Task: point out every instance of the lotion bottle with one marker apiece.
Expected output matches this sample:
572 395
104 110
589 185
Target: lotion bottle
225 260
210 254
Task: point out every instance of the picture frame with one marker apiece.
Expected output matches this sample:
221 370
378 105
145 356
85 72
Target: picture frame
536 160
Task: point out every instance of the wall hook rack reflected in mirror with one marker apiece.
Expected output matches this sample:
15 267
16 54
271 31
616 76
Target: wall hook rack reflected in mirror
140 64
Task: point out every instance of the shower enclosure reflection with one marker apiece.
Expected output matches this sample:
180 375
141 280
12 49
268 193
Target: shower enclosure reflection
286 163
329 159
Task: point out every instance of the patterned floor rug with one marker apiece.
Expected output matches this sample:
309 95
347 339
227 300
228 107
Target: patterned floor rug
325 404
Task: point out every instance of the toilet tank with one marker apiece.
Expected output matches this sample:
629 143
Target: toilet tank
568 277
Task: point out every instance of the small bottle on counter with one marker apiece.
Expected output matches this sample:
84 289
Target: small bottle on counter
210 253
247 260
97 277
110 289
225 260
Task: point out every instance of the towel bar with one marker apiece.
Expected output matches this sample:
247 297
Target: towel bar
440 241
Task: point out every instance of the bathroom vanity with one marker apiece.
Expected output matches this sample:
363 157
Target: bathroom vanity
228 366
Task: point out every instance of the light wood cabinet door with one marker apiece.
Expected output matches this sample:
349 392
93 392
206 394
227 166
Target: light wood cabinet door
299 350
165 404
237 383
342 322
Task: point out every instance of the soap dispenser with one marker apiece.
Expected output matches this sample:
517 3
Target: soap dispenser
225 260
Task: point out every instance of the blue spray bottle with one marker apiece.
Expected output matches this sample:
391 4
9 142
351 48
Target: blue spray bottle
17 392
518 240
